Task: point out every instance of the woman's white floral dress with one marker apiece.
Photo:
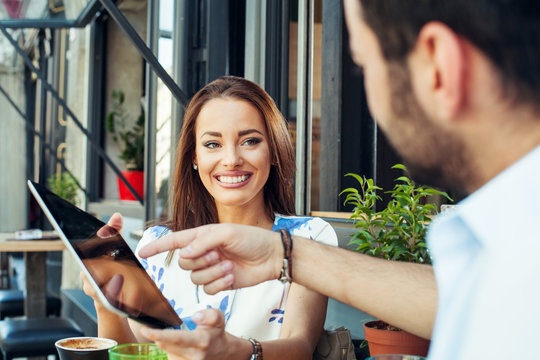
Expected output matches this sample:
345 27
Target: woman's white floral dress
256 311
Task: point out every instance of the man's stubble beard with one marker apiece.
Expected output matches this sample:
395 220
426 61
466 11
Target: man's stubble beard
432 155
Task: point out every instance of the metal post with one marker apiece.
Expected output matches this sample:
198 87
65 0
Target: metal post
277 50
151 107
331 104
304 105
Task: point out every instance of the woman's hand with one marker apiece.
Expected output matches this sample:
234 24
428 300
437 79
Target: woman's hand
116 222
88 289
110 325
208 341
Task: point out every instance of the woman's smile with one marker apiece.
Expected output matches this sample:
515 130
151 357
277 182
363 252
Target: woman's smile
233 180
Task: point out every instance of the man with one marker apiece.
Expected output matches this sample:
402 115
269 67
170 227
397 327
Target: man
455 86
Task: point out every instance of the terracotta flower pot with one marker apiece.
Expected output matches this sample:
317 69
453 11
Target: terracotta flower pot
136 179
382 341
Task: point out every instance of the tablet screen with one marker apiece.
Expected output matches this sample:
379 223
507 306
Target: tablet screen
109 261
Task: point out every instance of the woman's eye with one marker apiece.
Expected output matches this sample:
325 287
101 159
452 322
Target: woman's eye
251 141
211 145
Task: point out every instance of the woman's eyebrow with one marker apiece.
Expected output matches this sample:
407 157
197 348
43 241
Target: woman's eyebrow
240 133
212 133
249 131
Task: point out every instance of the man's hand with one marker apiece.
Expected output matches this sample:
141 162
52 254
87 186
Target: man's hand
224 256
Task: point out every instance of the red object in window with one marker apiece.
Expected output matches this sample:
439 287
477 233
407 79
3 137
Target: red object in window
13 8
136 179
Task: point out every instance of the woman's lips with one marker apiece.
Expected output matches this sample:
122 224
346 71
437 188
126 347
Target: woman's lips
233 180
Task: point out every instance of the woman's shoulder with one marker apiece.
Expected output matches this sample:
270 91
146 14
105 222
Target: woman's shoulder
306 226
293 222
149 235
153 233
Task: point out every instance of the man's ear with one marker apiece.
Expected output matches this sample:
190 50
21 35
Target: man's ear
437 65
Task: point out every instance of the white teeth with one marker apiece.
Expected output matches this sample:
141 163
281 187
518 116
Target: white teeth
232 179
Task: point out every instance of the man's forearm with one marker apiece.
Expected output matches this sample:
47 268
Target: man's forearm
402 294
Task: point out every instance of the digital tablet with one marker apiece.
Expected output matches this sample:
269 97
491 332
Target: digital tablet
119 280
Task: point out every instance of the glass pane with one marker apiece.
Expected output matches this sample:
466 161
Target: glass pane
164 147
316 55
42 9
293 76
74 90
316 107
293 71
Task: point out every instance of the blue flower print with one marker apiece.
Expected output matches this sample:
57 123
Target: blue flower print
144 263
159 231
173 304
223 307
156 274
191 325
177 310
279 316
292 224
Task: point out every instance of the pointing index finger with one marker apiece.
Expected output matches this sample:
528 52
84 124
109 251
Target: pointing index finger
176 240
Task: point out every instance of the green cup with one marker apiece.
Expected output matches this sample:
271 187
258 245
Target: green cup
137 351
396 357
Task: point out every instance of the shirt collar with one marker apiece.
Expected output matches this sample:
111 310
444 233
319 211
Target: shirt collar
506 199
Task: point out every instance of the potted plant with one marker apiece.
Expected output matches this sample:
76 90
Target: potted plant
130 143
65 186
395 233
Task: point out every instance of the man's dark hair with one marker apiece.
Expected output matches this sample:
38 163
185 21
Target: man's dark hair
506 31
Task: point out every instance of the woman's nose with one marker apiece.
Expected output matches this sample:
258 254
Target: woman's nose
232 157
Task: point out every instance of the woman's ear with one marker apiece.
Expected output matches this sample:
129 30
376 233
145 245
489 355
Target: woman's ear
437 65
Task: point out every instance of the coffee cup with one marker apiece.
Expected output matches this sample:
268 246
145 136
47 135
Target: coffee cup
84 348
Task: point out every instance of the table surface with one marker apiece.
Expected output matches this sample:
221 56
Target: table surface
8 245
31 245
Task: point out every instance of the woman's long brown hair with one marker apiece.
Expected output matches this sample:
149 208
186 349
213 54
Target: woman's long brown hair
192 204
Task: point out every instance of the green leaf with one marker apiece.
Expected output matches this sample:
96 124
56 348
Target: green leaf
398 231
399 166
130 142
357 177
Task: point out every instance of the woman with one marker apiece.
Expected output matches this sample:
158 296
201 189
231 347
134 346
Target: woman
235 164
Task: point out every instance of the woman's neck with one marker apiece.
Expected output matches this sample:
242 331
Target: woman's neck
253 214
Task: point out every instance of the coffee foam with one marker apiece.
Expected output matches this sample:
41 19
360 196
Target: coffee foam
87 343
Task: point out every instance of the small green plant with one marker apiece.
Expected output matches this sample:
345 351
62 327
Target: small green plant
397 232
65 186
129 141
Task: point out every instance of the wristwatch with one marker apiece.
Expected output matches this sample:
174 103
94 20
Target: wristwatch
257 350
